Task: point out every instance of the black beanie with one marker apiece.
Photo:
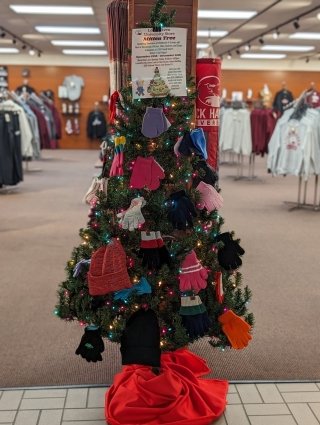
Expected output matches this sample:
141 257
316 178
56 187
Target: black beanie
140 340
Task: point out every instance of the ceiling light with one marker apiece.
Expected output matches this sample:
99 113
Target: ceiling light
23 47
8 50
306 35
202 45
229 56
87 43
32 52
84 52
68 30
261 40
276 34
318 16
263 56
39 54
247 47
307 60
296 24
14 41
226 14
52 10
3 34
285 48
211 33
238 51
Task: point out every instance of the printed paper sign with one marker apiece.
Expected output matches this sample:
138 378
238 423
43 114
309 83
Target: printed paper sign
158 62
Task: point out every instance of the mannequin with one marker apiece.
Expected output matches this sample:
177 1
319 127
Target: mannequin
266 96
25 88
313 96
282 98
96 123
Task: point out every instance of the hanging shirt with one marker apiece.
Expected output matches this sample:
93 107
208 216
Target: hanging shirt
281 100
73 84
235 132
96 125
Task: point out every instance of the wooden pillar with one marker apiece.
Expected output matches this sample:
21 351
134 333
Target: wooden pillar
186 17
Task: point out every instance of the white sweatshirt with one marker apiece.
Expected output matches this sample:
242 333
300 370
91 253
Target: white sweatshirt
235 132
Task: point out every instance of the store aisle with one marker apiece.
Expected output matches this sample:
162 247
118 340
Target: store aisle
39 226
248 404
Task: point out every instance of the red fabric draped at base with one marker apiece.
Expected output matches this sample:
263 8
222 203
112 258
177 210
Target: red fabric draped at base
177 396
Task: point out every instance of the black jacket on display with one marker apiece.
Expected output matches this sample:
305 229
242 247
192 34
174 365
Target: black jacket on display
10 149
24 89
96 125
281 100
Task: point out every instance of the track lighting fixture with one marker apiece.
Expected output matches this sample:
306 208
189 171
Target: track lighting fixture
39 54
32 52
247 47
238 51
276 34
229 56
261 40
296 24
3 34
14 41
307 60
23 47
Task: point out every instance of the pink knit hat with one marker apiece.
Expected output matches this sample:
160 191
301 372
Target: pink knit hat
108 270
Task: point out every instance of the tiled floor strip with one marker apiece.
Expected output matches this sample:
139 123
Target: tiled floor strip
248 404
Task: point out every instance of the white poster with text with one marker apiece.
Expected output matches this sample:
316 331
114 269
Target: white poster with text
158 62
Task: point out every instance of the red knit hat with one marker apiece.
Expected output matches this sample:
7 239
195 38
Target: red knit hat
108 270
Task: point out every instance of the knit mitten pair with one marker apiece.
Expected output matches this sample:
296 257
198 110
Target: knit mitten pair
146 173
153 251
154 122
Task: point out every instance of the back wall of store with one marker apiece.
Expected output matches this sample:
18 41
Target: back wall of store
96 84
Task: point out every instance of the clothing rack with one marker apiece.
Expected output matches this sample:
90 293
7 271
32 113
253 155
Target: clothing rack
302 196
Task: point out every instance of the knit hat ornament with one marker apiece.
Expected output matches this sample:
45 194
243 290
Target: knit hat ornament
108 270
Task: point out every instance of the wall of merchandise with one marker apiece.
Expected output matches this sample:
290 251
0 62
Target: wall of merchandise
296 81
96 84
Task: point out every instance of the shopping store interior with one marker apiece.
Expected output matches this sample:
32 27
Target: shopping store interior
60 68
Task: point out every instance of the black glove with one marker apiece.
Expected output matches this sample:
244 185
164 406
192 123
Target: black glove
91 345
229 255
196 325
153 250
207 174
181 210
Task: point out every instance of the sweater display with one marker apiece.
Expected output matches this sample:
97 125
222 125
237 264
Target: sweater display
294 147
281 100
96 125
235 132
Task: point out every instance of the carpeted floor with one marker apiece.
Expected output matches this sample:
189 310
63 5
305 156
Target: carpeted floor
39 225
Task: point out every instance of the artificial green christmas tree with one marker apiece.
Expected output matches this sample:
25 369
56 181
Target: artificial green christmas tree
151 213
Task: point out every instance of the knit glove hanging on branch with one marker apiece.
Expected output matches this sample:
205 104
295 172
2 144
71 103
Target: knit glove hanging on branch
193 276
235 329
146 173
204 173
132 218
153 250
118 159
96 186
91 345
181 210
229 254
194 316
192 142
210 199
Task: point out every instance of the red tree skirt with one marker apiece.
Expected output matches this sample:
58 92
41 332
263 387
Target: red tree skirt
177 396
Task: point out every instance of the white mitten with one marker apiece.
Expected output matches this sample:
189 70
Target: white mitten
132 218
96 185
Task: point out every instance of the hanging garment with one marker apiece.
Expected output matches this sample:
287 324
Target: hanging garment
74 85
24 88
10 149
294 147
281 100
262 126
96 125
235 133
313 99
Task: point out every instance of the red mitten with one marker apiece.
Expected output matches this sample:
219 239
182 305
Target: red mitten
219 287
235 329
192 276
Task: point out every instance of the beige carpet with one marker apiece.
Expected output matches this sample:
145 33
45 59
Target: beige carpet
39 226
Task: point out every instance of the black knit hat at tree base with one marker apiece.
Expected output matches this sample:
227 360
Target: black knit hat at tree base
140 340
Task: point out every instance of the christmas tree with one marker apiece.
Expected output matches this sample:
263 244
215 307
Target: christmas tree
155 239
157 86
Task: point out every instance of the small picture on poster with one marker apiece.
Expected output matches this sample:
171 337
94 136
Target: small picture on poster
158 62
